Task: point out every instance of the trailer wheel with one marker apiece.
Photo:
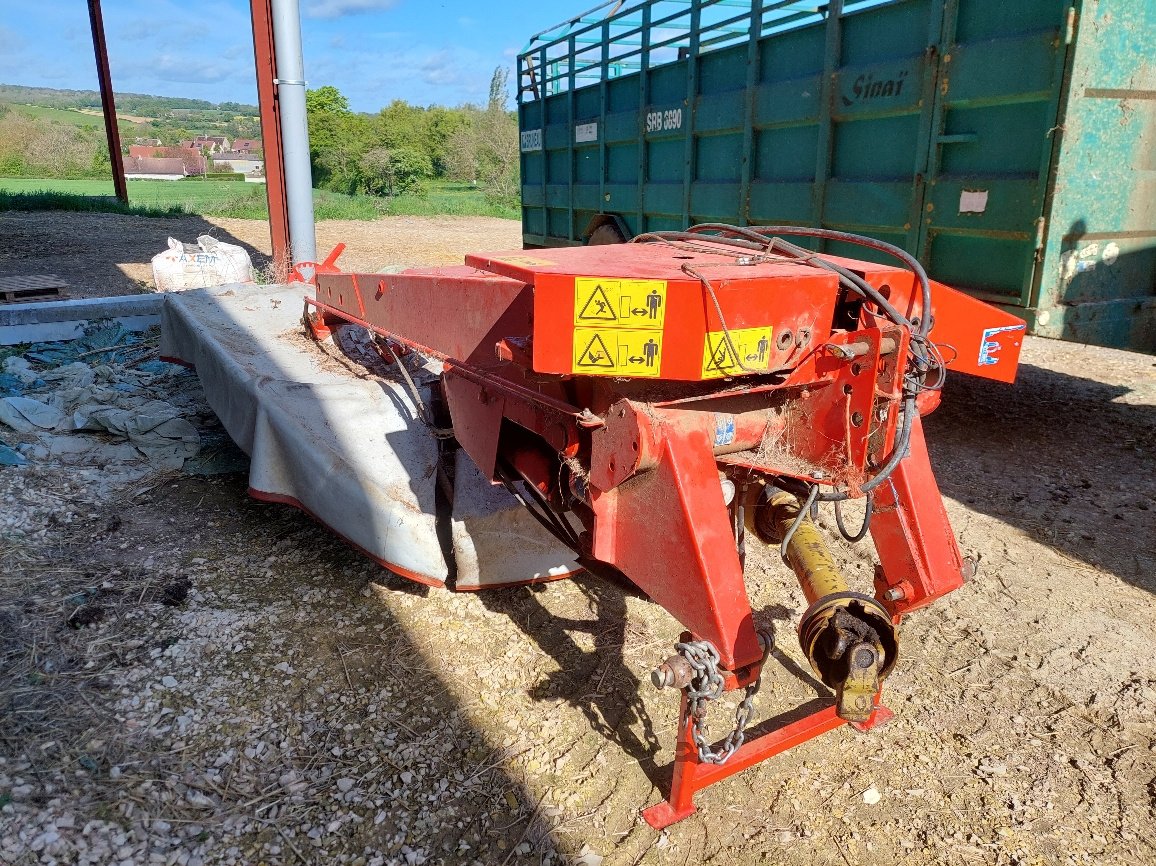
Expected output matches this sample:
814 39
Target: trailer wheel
607 233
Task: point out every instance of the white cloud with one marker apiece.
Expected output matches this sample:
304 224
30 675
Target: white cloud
194 68
442 69
341 8
420 74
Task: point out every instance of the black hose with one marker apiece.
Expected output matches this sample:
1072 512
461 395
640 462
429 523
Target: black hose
423 412
759 238
911 261
858 536
551 521
848 279
546 506
902 443
804 511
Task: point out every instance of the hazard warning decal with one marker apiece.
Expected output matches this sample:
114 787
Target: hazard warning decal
752 344
606 303
613 352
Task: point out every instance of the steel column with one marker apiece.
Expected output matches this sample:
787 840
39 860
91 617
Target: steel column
107 100
265 56
290 83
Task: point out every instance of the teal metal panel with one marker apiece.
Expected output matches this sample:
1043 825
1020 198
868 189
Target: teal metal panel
587 165
532 196
718 157
664 199
786 153
622 95
781 202
665 159
660 223
990 145
621 198
620 127
1097 278
586 195
722 71
787 102
870 203
557 195
710 202
557 168
622 164
719 112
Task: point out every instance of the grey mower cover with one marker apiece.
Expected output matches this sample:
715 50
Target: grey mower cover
345 442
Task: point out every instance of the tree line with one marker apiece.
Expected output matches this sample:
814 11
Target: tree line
398 150
126 103
403 147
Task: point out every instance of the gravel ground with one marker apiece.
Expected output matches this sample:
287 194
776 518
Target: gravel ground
188 676
102 254
193 677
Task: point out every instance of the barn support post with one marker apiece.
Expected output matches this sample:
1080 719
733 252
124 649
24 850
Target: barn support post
265 55
290 81
107 100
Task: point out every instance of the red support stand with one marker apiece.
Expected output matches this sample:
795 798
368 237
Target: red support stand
691 774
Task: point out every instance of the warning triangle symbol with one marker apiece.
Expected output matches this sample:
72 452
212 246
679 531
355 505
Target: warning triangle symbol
720 356
596 354
597 308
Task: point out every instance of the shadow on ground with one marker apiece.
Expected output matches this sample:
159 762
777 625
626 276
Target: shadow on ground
598 682
99 254
1058 456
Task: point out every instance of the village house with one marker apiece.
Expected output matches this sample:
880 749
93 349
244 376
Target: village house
250 146
211 143
243 163
191 157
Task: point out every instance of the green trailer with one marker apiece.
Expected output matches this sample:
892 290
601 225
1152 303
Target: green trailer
1009 144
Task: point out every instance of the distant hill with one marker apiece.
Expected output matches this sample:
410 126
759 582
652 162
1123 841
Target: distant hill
140 117
139 104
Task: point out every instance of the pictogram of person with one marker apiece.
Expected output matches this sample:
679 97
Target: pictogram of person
650 350
764 345
653 303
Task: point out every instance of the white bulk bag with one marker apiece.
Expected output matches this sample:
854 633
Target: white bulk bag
208 262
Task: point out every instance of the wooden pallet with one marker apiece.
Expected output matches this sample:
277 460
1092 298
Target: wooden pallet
43 287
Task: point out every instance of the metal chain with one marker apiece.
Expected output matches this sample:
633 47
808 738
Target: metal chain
708 685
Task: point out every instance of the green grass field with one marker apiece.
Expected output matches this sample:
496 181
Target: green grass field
247 200
60 115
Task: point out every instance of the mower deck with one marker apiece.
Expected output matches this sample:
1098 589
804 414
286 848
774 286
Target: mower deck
328 435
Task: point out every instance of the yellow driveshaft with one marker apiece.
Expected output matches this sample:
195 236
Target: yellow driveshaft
849 638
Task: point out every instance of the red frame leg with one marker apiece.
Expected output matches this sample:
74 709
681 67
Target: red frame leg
692 775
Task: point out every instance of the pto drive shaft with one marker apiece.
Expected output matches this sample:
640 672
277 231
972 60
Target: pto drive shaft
849 638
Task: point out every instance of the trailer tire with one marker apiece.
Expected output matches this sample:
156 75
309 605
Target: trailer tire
606 233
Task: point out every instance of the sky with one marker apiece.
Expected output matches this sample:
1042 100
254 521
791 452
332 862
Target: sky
426 52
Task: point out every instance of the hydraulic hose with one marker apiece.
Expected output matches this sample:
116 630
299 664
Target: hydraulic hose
759 239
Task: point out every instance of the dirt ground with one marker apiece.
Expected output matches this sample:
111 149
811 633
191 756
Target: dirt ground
245 688
102 254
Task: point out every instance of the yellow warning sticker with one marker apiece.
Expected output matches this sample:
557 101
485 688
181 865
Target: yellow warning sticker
614 352
524 261
752 344
605 303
